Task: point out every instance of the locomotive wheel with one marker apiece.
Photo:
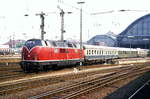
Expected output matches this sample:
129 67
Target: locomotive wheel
109 61
25 67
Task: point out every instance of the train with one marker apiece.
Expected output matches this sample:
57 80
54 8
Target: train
40 54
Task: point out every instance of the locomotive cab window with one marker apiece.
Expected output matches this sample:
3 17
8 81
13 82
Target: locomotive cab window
89 52
75 45
60 44
47 43
70 45
51 43
32 43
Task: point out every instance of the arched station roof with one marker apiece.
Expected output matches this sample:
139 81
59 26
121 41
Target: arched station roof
137 34
103 40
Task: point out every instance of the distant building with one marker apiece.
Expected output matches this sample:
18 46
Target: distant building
4 46
14 43
136 35
102 40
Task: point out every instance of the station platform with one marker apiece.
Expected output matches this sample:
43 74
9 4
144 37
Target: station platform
133 60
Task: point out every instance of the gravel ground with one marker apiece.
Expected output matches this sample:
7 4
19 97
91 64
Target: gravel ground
119 90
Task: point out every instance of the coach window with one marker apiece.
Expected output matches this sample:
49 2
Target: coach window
121 52
95 51
70 45
87 52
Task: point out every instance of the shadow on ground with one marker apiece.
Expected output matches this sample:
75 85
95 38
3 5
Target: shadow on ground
126 91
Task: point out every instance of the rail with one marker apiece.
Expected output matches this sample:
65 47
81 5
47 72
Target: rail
7 88
147 83
88 85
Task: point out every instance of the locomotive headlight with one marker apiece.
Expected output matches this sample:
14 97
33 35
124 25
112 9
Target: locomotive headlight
56 50
35 57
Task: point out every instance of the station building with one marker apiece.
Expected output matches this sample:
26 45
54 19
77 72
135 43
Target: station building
136 35
102 40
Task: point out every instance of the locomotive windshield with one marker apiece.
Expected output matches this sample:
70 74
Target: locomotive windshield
32 43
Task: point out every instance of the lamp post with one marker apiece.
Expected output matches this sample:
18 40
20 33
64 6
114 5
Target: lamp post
130 37
80 31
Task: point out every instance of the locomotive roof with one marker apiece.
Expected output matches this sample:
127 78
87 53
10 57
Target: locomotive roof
33 39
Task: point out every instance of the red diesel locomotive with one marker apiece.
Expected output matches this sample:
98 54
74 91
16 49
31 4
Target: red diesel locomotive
41 54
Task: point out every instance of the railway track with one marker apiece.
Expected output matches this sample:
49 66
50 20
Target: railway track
9 68
24 84
76 89
13 87
5 77
11 71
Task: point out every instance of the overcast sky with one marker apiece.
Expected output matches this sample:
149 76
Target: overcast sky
14 25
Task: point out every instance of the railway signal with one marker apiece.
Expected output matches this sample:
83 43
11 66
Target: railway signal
42 14
62 13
